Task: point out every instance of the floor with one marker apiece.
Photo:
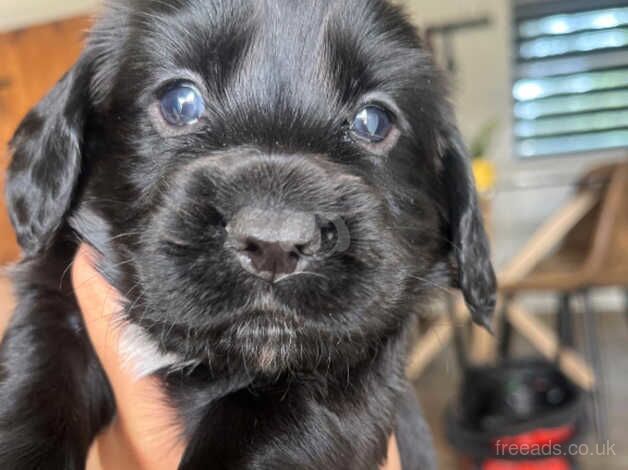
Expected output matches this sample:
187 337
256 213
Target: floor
437 387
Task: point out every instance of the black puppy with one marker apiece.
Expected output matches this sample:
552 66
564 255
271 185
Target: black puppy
273 185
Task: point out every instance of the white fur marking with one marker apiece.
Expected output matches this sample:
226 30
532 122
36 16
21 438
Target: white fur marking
140 353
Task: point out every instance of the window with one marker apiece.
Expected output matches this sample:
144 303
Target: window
570 85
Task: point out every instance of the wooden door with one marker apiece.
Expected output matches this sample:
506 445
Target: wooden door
31 62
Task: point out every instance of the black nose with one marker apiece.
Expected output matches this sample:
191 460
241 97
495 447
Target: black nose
270 261
273 244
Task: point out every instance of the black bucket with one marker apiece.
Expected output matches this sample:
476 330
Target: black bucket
519 415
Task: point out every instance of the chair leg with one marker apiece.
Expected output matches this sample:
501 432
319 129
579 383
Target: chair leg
598 395
458 338
565 320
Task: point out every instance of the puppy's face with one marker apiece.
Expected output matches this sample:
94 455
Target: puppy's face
271 184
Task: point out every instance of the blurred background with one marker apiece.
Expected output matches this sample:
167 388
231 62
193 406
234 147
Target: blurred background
541 93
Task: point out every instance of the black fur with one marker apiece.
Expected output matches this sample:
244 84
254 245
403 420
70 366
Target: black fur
305 373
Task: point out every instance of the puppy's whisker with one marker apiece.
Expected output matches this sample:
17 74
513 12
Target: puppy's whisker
124 235
65 272
96 200
133 287
440 287
303 274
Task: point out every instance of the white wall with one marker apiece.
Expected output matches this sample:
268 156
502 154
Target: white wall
16 14
481 86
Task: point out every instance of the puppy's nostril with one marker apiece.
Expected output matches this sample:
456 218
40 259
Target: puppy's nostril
301 249
215 219
251 247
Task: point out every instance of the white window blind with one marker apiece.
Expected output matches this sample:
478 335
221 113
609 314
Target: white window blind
570 85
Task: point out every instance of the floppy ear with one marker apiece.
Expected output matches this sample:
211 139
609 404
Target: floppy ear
473 270
46 162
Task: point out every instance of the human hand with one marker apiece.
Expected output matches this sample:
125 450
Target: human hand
143 435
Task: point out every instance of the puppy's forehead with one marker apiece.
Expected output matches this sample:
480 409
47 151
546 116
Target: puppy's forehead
280 48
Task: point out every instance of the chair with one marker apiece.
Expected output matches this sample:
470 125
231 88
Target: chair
592 254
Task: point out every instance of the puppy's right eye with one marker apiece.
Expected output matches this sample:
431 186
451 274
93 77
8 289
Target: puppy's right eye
372 124
182 105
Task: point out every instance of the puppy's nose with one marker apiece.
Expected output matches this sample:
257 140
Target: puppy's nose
270 261
272 244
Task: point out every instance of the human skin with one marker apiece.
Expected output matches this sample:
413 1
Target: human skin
144 435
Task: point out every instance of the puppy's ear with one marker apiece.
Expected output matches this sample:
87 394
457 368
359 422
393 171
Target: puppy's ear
473 270
44 171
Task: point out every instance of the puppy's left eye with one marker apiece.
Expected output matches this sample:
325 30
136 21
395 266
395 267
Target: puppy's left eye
372 124
182 105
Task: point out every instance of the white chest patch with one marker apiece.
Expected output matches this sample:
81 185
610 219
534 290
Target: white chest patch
140 353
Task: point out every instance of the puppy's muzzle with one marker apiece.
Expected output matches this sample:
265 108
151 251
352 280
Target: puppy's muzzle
273 244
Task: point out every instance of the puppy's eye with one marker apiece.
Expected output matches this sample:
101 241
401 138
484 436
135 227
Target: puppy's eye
182 105
372 124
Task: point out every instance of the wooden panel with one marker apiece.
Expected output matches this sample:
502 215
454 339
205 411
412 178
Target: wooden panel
31 61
